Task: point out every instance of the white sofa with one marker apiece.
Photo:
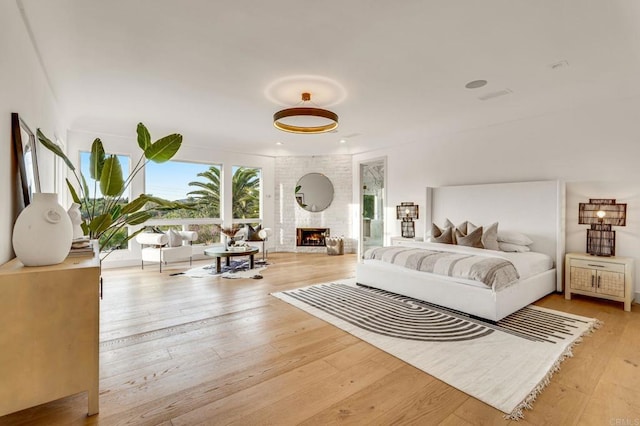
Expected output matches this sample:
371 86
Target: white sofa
165 248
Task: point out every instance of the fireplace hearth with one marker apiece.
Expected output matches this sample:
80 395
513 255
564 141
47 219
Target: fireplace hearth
311 237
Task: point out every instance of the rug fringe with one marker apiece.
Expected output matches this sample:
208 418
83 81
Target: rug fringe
527 403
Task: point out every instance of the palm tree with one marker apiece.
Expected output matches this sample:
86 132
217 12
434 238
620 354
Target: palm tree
208 196
245 188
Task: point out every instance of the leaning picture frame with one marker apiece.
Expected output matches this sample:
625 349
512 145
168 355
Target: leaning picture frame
25 148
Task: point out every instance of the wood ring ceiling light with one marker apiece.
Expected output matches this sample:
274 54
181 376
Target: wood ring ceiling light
297 112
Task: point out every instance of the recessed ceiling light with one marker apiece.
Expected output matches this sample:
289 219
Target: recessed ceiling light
278 143
475 84
343 141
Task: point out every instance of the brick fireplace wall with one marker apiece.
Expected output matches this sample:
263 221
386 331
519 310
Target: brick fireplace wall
289 216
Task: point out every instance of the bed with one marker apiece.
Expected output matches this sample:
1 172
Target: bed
535 209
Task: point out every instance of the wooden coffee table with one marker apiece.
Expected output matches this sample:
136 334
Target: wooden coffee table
219 253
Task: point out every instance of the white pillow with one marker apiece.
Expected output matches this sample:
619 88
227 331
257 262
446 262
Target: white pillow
514 237
513 247
175 239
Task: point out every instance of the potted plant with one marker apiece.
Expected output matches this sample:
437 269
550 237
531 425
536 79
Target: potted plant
105 218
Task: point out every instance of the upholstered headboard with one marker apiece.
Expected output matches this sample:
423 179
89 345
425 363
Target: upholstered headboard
536 209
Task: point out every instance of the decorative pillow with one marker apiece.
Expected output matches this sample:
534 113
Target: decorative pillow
443 236
514 237
175 239
472 239
462 227
489 236
253 234
513 247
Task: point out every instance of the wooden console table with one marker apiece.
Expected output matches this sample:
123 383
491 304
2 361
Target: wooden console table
49 334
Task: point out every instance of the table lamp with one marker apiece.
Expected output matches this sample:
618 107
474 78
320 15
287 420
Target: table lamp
408 212
601 215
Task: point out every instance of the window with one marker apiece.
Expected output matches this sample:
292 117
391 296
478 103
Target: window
185 182
207 234
245 191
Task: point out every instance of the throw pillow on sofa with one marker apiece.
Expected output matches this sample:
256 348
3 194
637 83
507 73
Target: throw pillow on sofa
175 239
253 234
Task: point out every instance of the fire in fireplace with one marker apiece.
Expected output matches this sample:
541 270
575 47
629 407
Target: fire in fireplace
311 237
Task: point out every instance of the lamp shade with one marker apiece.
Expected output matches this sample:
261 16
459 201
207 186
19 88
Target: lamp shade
602 215
614 214
407 211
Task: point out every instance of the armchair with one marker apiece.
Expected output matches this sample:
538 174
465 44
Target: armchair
164 248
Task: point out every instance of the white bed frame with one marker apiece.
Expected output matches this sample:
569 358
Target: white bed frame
533 208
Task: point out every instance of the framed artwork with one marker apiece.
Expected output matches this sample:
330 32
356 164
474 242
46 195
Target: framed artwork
25 148
300 199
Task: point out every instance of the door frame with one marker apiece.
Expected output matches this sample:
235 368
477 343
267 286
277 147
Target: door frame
361 164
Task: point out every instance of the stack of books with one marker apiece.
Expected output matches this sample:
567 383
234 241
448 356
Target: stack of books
81 247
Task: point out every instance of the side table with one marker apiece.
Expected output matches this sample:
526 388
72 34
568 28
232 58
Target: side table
604 277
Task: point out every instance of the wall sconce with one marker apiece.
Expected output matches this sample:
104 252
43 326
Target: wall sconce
408 212
601 215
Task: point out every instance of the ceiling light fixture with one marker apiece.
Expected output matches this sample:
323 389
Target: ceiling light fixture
307 120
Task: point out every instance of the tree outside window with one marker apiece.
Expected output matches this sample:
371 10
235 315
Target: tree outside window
175 181
246 193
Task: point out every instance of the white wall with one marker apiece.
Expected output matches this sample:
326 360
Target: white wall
191 150
23 89
289 215
595 149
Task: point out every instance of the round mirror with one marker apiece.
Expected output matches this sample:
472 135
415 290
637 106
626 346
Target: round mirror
314 192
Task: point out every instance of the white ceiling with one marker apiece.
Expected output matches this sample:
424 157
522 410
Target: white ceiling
202 67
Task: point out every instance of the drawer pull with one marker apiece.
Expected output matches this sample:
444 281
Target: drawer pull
596 266
599 281
592 277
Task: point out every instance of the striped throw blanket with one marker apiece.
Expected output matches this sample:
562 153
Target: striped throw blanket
494 272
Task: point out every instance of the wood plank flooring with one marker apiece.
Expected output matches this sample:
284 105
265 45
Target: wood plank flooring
185 351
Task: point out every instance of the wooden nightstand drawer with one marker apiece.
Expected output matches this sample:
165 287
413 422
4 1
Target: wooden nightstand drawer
598 265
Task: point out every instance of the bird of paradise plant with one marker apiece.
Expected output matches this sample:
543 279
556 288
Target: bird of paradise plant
105 219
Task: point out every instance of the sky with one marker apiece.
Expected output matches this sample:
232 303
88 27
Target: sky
170 180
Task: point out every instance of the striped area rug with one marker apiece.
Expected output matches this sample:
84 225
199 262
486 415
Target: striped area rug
504 364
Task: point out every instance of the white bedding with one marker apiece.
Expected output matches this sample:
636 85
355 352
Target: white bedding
527 264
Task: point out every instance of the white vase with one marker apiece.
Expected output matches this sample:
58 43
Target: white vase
43 232
76 221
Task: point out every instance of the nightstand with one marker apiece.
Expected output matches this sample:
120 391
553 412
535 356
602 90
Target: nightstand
604 277
398 241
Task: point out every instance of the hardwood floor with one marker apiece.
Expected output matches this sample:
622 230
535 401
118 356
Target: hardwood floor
182 351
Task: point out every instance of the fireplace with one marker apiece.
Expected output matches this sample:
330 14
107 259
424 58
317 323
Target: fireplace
311 237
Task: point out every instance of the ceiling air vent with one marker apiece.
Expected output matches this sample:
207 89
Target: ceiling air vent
492 95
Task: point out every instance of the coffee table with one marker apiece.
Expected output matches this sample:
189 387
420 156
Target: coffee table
219 253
